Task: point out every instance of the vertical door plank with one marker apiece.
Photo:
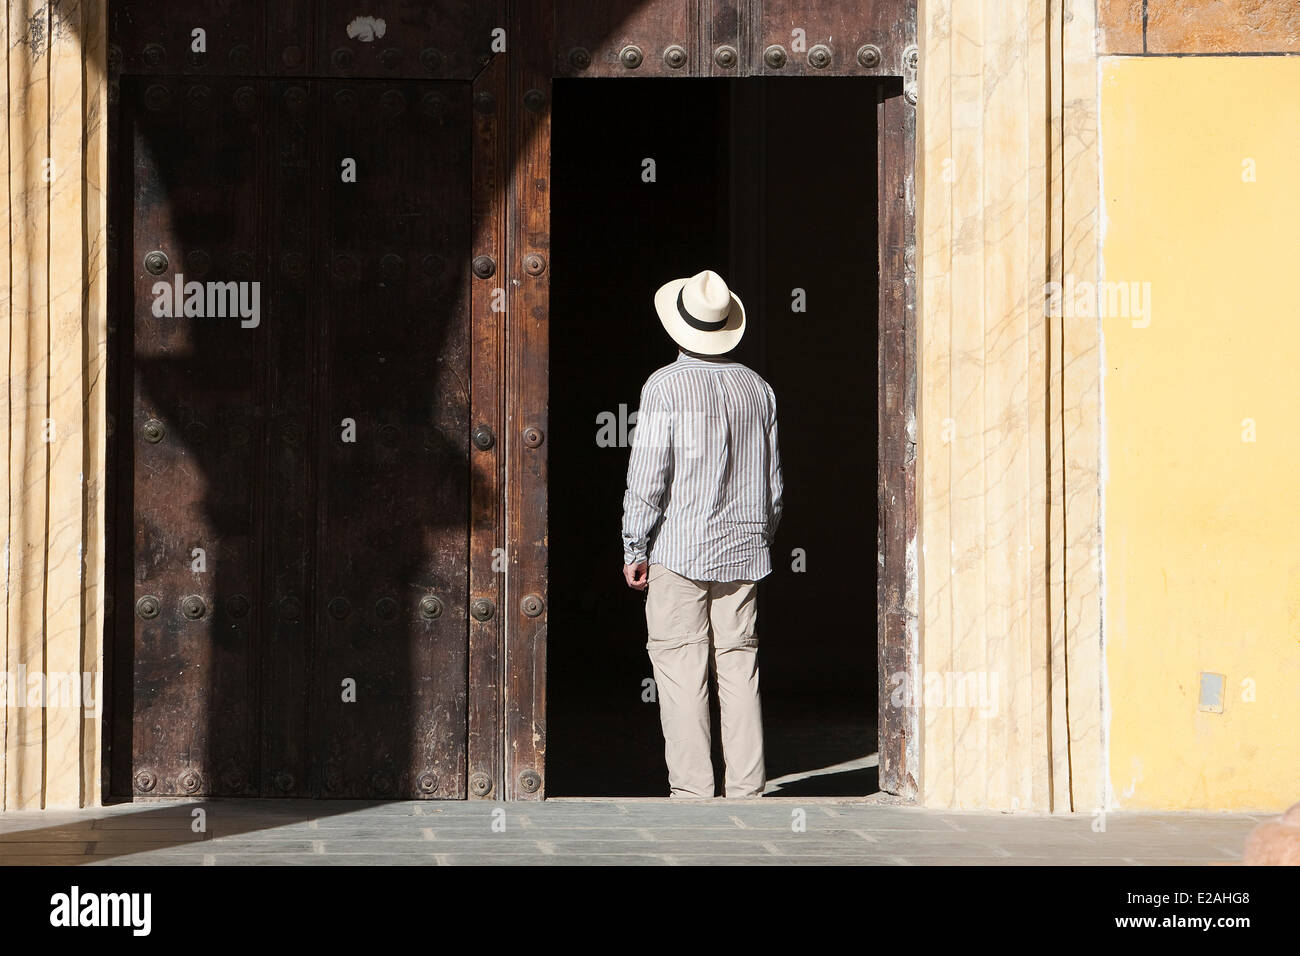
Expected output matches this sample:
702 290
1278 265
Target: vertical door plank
591 34
724 26
290 38
527 344
287 529
897 587
196 431
487 504
118 706
841 26
393 522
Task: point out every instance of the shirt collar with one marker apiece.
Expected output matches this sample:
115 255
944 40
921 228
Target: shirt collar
684 359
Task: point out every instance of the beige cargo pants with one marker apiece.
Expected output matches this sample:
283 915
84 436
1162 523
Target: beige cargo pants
686 621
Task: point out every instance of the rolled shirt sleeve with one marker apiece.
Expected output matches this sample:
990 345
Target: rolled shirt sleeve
649 472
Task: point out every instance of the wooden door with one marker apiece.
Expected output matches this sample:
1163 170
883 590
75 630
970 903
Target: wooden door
301 432
408 554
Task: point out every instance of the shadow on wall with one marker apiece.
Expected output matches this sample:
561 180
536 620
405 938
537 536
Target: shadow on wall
316 453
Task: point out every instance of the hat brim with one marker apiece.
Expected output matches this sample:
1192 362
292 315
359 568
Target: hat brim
713 342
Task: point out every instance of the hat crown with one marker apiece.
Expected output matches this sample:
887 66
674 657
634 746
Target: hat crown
700 313
706 296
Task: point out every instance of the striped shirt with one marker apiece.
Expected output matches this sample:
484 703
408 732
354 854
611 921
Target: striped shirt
704 479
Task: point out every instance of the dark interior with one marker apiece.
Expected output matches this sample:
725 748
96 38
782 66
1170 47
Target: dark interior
770 182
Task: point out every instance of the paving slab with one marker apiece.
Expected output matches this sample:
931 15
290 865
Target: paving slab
758 832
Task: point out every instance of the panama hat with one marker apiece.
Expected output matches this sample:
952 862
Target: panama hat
701 313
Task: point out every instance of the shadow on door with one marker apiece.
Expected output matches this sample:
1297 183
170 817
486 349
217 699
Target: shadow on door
772 183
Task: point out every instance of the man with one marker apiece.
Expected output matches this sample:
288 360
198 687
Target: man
702 502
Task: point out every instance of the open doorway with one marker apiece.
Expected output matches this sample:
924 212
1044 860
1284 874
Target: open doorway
771 182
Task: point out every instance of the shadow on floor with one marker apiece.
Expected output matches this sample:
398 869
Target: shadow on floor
814 748
78 837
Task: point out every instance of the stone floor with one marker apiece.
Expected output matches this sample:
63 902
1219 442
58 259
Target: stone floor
771 831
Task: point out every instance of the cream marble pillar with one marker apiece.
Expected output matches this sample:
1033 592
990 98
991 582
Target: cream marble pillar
54 359
1009 479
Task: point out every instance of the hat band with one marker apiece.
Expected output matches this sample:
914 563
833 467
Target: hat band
695 323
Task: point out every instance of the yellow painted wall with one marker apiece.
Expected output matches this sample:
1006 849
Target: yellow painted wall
1202 528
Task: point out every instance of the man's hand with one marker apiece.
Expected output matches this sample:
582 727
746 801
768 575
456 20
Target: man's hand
637 575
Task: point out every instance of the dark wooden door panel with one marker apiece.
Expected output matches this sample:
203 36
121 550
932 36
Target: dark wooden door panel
392 39
394 497
159 38
590 35
409 39
285 477
825 38
332 552
732 37
199 177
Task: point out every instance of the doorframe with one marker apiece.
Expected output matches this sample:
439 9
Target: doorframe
532 68
897 582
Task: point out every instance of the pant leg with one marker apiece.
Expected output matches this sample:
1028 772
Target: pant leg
677 619
733 612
